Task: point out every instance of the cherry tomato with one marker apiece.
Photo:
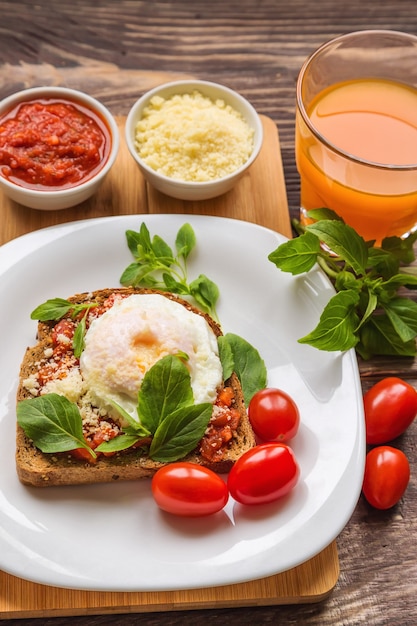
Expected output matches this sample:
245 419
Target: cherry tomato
189 490
274 416
263 474
390 407
387 473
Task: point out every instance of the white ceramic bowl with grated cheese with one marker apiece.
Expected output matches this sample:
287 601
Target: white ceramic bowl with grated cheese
193 139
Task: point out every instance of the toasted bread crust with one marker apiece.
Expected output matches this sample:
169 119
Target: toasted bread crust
38 469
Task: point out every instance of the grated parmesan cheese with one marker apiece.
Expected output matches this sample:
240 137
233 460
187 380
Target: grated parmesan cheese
72 386
193 138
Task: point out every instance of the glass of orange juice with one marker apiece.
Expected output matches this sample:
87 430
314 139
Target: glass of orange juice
356 132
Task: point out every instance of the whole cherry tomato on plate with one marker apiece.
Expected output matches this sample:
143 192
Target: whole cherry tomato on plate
189 490
386 477
273 414
263 474
390 407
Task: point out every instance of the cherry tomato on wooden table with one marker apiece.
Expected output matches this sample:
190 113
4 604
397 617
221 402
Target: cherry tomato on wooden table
390 407
263 474
386 477
274 415
189 490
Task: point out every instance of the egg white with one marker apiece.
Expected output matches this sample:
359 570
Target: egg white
123 343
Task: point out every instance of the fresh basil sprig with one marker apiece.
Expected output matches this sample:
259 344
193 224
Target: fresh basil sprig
369 311
156 266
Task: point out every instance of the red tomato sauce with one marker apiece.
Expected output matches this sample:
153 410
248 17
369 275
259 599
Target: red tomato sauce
51 143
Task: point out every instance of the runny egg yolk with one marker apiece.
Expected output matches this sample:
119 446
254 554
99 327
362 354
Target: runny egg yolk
122 344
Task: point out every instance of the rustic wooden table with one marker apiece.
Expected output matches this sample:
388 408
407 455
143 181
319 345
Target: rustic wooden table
256 47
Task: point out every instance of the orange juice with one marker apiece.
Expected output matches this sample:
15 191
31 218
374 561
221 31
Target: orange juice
364 165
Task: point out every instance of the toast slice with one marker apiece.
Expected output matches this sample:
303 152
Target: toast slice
49 469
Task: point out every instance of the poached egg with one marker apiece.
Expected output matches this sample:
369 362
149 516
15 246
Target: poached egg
122 345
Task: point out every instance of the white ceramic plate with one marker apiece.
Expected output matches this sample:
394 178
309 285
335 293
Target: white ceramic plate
113 537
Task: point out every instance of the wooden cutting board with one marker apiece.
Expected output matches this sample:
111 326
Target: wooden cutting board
259 197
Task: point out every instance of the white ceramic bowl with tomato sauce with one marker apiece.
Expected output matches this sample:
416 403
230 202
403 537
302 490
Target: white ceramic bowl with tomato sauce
54 154
173 184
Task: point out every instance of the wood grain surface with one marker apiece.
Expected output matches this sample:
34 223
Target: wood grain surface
256 47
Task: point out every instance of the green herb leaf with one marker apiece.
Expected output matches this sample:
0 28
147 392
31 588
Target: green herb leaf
401 248
205 293
165 387
179 433
53 309
378 336
174 286
402 313
247 363
53 423
136 275
367 313
134 427
344 241
297 255
117 444
226 357
57 308
337 325
371 307
162 251
408 280
133 241
78 339
324 214
383 262
185 241
155 266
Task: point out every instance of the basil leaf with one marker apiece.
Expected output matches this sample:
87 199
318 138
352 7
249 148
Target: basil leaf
370 308
144 247
378 336
78 339
134 426
383 262
121 442
179 433
53 309
247 364
401 280
226 357
185 241
401 248
133 241
162 251
136 275
53 423
402 313
337 325
297 255
344 241
324 214
174 286
204 292
166 386
57 308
